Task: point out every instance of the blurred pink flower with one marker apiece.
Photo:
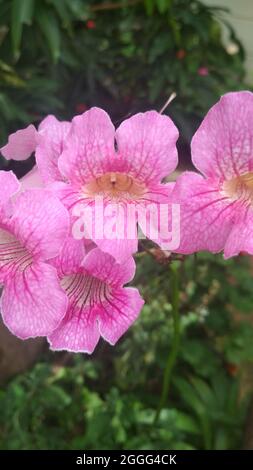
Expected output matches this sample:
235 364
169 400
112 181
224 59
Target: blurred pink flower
98 303
203 71
32 230
217 208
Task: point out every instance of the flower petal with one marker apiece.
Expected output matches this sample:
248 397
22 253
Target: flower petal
147 144
32 179
241 236
52 135
21 144
70 258
40 222
33 302
206 215
9 185
89 147
104 267
78 332
118 314
155 214
223 145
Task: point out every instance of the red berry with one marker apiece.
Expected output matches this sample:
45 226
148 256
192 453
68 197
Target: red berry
90 24
181 53
81 107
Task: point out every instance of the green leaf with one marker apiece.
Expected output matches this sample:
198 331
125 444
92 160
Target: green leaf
162 5
21 12
50 28
149 5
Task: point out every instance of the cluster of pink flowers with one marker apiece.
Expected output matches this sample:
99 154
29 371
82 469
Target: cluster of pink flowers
71 289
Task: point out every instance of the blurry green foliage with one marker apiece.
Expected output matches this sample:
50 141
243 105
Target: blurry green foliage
60 56
108 401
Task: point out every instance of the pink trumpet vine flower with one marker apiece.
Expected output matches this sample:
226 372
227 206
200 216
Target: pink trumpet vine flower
47 143
123 168
217 208
32 231
99 305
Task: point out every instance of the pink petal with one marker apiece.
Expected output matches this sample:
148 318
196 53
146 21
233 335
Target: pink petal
52 135
11 251
97 301
155 211
70 257
147 144
31 180
21 144
121 250
40 222
121 245
9 185
240 238
103 266
89 147
222 146
33 303
97 223
119 313
78 331
206 214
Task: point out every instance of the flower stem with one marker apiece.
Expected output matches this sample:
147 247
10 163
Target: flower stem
173 353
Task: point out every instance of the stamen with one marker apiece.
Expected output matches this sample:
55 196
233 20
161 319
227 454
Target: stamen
240 188
115 185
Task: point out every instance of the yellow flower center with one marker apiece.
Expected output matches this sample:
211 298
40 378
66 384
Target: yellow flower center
115 186
240 187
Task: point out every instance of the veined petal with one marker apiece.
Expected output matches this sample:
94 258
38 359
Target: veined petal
70 257
96 302
206 214
147 144
9 185
52 136
119 313
40 222
89 147
104 267
223 145
33 302
78 331
241 236
20 144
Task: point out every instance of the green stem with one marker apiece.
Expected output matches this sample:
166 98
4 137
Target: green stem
173 353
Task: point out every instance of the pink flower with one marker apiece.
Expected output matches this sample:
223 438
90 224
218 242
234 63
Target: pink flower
217 208
32 231
203 71
99 305
129 175
47 143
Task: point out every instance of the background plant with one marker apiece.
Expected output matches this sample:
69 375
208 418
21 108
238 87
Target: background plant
109 401
62 56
